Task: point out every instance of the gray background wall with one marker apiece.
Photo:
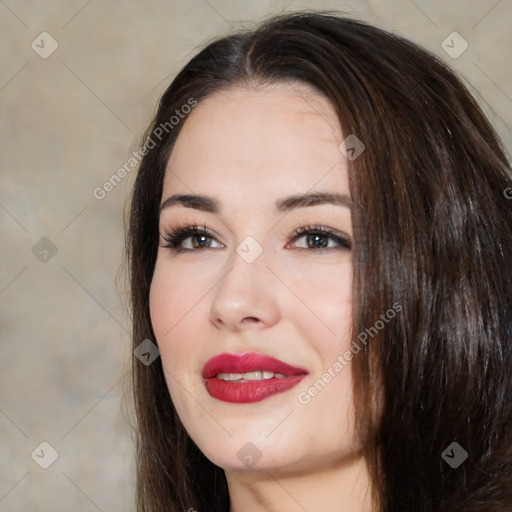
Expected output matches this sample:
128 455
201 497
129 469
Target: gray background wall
68 122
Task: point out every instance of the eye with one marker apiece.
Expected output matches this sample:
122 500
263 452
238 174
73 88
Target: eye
320 238
190 238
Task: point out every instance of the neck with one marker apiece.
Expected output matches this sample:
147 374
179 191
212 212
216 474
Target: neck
341 487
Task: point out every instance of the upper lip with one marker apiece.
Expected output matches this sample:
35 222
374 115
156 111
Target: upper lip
247 362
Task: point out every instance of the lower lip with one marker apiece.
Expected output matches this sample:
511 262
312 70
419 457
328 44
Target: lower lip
248 392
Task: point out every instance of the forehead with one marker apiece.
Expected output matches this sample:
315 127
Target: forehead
267 139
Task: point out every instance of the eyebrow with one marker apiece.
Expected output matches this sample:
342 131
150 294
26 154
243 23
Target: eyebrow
198 202
312 199
211 205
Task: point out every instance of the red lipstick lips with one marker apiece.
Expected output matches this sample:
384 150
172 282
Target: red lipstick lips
247 377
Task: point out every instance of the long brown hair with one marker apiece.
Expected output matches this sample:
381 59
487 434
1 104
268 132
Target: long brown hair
433 233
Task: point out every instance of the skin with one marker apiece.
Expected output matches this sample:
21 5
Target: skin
248 148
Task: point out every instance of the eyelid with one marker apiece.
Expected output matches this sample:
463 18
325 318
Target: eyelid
343 239
175 235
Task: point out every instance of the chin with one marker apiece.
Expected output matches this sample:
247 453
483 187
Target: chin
248 451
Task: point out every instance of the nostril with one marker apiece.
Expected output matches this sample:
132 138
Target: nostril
251 319
218 322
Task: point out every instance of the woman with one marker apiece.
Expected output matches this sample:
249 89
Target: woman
320 245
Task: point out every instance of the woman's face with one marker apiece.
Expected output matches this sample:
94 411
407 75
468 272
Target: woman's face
264 270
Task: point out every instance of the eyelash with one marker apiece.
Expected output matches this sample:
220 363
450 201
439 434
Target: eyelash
174 238
342 240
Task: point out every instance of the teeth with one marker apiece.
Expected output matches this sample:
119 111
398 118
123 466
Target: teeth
229 376
257 375
252 376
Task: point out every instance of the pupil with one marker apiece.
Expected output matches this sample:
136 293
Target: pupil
317 241
200 241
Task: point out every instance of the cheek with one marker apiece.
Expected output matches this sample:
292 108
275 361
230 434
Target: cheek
324 305
335 298
162 304
327 326
172 317
171 299
169 305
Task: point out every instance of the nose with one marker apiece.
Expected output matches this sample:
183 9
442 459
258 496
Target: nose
245 297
